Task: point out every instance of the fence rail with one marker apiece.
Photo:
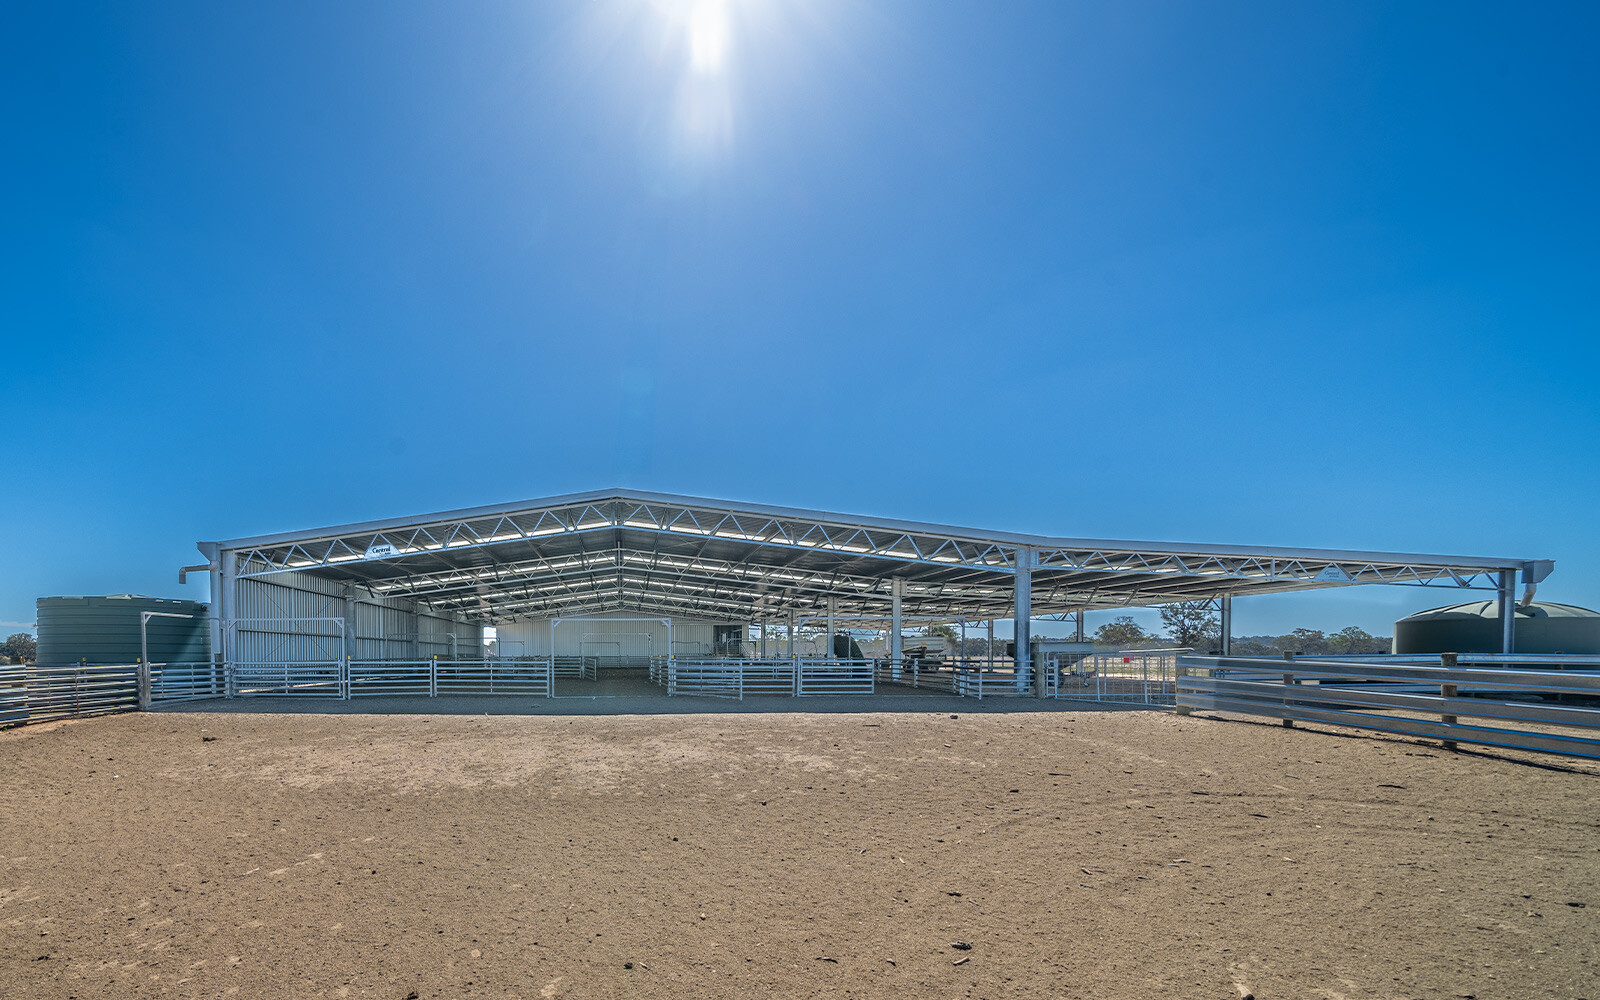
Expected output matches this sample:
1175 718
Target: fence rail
33 693
13 696
707 678
583 668
819 677
800 677
293 679
1411 699
192 681
376 678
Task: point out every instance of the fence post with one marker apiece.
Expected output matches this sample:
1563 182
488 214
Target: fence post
1288 679
1177 675
144 685
433 676
1448 691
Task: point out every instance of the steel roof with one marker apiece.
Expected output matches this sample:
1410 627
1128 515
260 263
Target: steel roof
684 555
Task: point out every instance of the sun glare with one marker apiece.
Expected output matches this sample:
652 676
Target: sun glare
708 36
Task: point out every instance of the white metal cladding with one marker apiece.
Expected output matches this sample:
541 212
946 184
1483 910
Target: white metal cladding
296 617
288 618
614 631
691 557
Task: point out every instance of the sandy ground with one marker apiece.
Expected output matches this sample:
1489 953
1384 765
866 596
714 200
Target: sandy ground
1054 854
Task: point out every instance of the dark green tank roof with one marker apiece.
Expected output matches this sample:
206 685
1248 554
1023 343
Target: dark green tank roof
1491 609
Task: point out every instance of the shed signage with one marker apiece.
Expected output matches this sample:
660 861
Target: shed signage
382 551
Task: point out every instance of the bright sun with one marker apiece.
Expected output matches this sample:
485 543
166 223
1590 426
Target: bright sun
708 36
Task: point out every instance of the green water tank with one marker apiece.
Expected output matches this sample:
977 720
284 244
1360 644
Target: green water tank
106 630
1539 627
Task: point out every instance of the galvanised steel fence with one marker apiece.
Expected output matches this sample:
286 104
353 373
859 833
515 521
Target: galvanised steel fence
583 668
799 677
1129 676
1502 695
428 678
34 693
192 681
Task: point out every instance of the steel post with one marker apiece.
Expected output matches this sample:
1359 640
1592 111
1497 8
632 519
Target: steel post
228 585
1508 611
350 621
833 609
1226 617
897 591
144 661
215 611
1022 619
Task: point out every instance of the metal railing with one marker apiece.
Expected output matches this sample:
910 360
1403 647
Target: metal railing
1130 676
533 678
34 693
373 678
707 678
583 668
818 677
800 677
192 681
13 695
994 679
1422 699
914 672
287 679
41 693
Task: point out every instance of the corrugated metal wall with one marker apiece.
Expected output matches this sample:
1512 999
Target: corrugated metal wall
272 619
609 637
274 623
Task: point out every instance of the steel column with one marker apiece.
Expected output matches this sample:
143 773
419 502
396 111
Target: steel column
1226 617
144 661
215 612
794 634
1022 618
1508 611
897 592
229 598
350 621
833 609
416 630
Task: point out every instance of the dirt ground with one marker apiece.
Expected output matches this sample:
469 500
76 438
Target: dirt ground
1094 855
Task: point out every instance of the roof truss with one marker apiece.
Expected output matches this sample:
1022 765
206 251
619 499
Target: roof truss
737 562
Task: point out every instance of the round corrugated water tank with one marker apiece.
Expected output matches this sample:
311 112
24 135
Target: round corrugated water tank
1475 628
106 630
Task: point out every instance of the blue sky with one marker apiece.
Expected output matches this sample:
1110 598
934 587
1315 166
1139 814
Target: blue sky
1255 273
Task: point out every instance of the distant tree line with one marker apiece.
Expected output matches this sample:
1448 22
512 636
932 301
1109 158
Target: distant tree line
1349 641
1194 624
1191 624
20 647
